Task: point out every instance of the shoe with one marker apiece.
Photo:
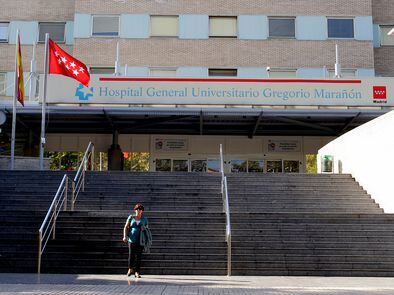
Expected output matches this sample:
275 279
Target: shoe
137 275
130 272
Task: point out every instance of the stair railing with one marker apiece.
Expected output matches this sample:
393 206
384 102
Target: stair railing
48 226
79 179
226 209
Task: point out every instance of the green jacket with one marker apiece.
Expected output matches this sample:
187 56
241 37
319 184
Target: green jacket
135 230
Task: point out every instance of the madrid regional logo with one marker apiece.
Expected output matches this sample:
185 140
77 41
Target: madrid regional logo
83 93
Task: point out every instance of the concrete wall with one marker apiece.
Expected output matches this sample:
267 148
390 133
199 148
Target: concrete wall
367 153
23 163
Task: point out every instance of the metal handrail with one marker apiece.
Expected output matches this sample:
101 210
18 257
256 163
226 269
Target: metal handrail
48 226
79 179
226 209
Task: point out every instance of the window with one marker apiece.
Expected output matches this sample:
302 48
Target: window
3 80
282 27
163 164
213 165
164 26
56 31
238 165
223 26
283 73
4 32
222 72
274 166
180 165
162 72
387 35
102 70
256 166
106 26
198 165
340 28
345 73
291 166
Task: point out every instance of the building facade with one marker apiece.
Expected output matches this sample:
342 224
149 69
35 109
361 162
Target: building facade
272 39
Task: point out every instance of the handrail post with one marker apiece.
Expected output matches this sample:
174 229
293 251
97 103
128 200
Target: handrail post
92 159
54 223
39 251
83 180
66 195
73 196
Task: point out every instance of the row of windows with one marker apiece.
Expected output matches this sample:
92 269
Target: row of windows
221 26
217 72
55 29
167 26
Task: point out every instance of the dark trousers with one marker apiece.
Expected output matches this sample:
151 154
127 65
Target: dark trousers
135 253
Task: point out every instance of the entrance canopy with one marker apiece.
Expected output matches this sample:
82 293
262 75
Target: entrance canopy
208 106
193 121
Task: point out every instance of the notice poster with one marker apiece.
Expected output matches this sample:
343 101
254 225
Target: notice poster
283 146
167 145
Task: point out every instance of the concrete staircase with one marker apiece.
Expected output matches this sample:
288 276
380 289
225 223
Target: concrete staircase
295 224
184 213
25 197
283 224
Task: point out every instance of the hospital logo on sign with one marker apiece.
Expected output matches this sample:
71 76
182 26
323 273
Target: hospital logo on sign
379 94
83 93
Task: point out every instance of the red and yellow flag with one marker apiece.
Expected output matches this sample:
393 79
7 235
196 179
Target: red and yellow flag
20 91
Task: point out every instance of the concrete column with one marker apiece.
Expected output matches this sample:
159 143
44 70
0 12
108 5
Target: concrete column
115 154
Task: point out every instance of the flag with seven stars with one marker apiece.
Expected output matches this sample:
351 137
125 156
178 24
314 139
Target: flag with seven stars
60 62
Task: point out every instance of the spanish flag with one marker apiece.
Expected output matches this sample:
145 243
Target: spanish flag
20 85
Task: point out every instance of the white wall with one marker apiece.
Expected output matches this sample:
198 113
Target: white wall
367 153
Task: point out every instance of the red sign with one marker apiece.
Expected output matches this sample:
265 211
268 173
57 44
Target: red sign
379 92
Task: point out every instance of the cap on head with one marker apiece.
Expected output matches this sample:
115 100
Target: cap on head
138 206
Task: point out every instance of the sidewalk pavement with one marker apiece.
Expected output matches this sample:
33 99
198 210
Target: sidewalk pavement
48 284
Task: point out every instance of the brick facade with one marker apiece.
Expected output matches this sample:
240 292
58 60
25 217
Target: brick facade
228 7
384 61
383 14
175 52
7 61
37 10
225 53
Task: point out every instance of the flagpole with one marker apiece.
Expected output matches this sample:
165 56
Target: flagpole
43 103
14 105
33 66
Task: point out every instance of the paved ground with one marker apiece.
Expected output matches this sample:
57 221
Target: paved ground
47 284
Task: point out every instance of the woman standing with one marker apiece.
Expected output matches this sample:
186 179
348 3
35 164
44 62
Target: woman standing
131 234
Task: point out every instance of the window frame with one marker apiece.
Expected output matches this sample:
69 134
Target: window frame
105 16
279 70
102 67
223 17
7 33
172 69
163 36
339 18
222 69
331 72
282 17
3 90
57 41
381 33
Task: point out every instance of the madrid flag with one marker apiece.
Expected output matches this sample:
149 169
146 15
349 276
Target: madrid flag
60 62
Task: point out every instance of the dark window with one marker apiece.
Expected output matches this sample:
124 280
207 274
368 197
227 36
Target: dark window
222 72
56 31
282 27
4 32
340 28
